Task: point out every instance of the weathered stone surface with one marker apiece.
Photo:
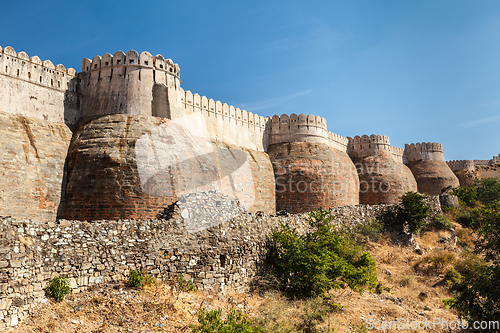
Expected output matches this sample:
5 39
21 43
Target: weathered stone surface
433 176
312 175
32 156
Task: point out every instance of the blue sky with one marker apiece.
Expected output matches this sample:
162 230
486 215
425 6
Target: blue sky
416 71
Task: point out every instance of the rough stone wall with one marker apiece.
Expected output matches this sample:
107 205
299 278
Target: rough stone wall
226 123
32 158
32 88
125 166
226 256
433 176
310 175
382 180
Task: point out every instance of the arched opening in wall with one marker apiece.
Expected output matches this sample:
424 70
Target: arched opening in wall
170 70
52 82
18 72
139 74
40 79
6 69
29 75
59 84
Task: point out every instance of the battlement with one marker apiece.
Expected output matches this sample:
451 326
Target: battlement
129 83
21 66
458 165
424 151
121 61
225 122
302 128
34 88
362 146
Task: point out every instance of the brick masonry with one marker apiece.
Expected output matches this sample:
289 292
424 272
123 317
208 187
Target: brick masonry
432 176
382 179
312 175
130 166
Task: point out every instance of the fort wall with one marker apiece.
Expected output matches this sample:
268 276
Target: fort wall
129 83
303 128
32 88
432 173
458 165
225 123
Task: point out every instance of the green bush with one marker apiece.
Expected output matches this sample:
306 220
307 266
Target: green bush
441 222
488 190
477 297
371 231
412 212
58 288
464 218
452 276
324 258
466 195
236 322
138 279
186 285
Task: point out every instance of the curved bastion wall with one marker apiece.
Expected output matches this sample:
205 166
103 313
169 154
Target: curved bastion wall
129 166
310 164
426 162
383 178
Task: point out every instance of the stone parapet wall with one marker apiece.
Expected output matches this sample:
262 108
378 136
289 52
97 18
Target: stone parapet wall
226 256
32 88
225 122
302 128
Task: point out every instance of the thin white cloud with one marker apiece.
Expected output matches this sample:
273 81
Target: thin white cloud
481 121
272 102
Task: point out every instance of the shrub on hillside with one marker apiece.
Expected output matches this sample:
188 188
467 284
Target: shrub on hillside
467 196
441 222
58 288
235 322
324 258
488 190
412 212
138 279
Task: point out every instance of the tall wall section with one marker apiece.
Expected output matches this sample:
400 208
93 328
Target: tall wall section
310 165
129 166
32 158
36 89
383 177
426 162
225 123
129 83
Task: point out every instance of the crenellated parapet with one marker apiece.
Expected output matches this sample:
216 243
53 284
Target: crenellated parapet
130 83
33 70
398 154
424 151
363 146
225 122
34 88
302 128
459 165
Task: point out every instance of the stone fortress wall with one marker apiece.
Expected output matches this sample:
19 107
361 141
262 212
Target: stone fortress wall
33 88
68 149
459 165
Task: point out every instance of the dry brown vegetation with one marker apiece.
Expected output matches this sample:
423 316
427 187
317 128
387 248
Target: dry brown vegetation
412 287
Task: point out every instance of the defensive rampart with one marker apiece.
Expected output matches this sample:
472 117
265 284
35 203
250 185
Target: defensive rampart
225 123
383 178
32 88
432 173
303 128
129 83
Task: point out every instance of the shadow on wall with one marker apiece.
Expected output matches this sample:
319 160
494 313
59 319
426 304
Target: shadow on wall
72 113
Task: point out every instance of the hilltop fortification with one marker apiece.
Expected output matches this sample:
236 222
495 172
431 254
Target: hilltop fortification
123 141
383 177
